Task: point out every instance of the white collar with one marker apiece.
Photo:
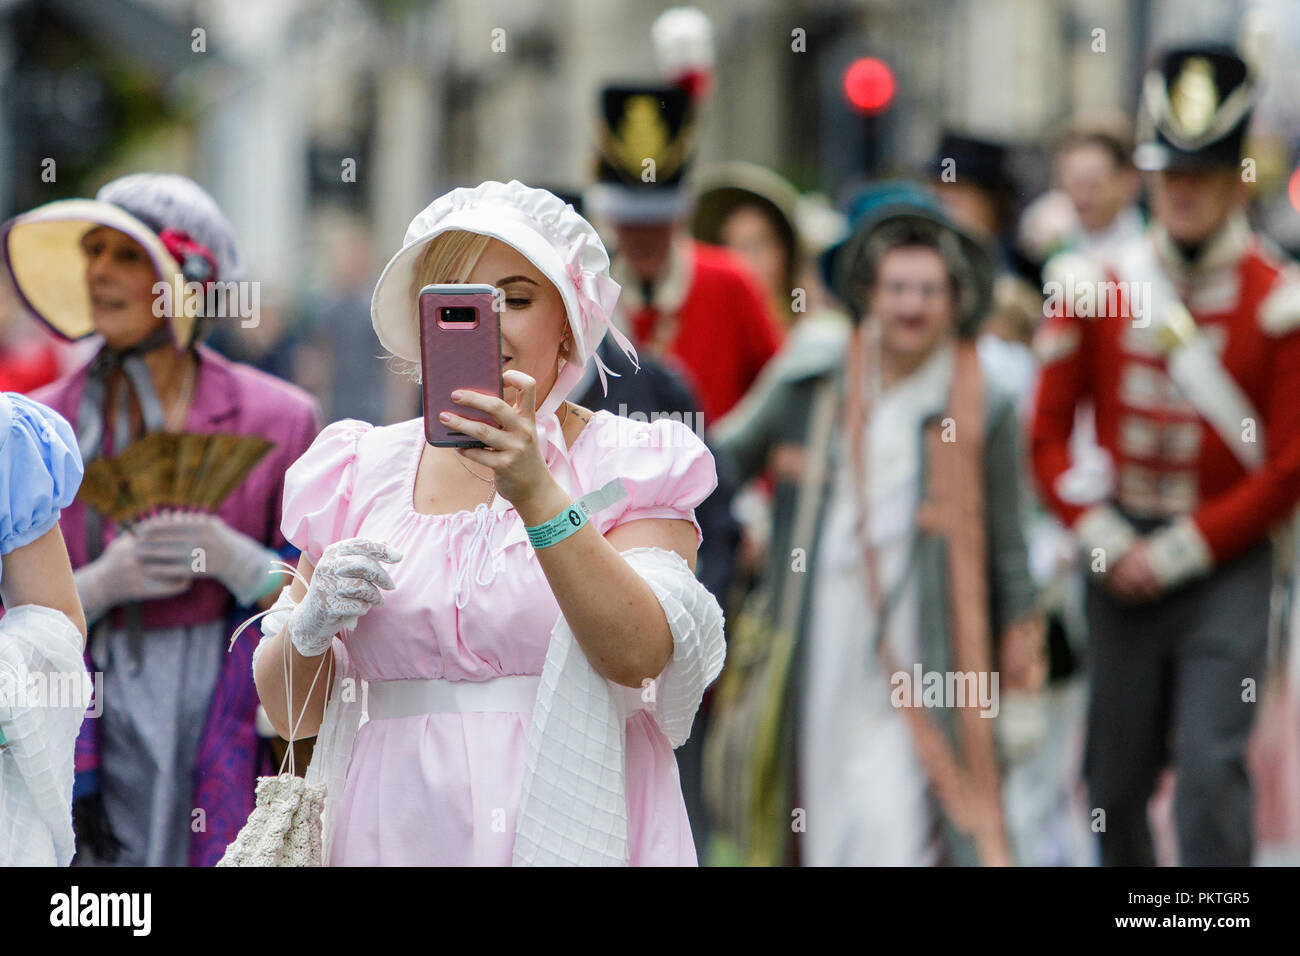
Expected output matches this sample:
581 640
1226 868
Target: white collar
670 287
925 388
1126 224
1224 249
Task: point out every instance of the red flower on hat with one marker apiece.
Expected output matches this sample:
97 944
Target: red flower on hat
196 260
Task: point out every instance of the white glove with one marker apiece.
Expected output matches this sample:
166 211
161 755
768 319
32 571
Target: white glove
344 586
123 573
239 562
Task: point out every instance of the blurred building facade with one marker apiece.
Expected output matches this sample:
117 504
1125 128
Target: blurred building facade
368 108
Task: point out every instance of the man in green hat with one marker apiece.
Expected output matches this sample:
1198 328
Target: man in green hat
897 568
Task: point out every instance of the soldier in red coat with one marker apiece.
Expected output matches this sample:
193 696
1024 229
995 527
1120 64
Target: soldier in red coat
695 308
1186 342
693 304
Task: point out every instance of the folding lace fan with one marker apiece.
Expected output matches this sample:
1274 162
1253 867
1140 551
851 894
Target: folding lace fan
171 470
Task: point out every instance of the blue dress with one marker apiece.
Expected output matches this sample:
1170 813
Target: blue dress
40 470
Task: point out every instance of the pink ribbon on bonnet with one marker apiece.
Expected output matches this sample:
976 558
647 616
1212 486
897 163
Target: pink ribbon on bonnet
597 295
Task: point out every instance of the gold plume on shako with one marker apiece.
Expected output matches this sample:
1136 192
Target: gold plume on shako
1193 98
643 133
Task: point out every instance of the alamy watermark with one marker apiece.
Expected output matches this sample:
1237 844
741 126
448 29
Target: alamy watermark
42 690
625 436
921 688
127 910
1128 299
214 300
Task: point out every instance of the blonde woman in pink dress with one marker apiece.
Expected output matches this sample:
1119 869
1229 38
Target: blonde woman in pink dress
493 702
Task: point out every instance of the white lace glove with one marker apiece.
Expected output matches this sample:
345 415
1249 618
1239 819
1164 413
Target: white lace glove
344 586
212 548
124 573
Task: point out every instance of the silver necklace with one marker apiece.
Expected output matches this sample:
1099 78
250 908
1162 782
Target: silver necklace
492 482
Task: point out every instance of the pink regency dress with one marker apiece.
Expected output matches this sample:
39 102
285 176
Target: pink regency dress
471 603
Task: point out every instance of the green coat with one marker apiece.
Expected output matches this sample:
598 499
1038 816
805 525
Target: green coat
777 411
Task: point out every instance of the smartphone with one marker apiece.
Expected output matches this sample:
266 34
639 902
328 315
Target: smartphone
460 348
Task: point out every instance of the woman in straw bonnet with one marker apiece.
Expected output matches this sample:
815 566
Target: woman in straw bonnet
165 775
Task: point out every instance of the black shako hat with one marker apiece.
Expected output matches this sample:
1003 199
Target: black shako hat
1194 110
972 160
645 141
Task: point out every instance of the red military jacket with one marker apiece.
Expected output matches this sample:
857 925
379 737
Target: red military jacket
1168 460
709 317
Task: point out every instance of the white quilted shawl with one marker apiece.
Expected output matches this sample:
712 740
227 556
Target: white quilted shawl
44 691
573 807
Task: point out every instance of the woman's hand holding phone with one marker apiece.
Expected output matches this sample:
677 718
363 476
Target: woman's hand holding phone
512 447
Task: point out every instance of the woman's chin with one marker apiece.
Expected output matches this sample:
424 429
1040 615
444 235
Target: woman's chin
123 331
913 340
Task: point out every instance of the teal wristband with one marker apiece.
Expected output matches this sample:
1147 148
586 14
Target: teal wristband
572 518
567 522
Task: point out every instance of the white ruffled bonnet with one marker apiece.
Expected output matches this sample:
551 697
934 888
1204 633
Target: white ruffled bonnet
544 229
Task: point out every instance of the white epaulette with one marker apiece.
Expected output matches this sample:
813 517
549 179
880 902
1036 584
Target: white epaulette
1069 271
1279 313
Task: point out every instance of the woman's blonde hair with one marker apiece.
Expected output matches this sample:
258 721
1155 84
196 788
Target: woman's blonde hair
449 257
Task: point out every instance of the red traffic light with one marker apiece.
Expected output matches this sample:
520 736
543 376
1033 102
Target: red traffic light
869 85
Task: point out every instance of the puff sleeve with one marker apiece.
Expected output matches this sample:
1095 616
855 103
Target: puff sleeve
665 467
318 488
40 469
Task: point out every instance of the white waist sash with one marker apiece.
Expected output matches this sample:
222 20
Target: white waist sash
514 693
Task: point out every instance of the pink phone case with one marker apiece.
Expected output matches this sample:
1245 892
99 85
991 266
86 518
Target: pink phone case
458 354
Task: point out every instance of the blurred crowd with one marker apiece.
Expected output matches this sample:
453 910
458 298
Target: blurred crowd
933 454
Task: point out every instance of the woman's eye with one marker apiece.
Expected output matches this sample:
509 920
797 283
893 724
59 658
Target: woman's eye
130 255
518 303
